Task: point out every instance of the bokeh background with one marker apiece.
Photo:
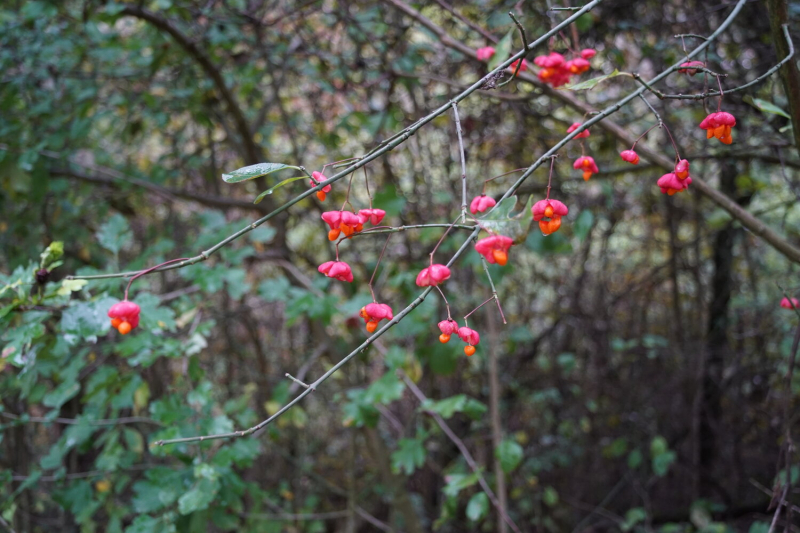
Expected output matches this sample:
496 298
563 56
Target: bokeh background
639 385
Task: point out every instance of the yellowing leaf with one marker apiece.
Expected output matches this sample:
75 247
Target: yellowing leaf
69 286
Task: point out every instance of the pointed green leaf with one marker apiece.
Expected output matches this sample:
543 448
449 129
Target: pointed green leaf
589 84
502 51
272 189
254 171
766 107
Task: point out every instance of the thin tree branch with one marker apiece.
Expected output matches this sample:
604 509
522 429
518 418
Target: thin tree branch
473 465
253 153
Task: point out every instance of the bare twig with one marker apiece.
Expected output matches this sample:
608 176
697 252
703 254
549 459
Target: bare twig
463 165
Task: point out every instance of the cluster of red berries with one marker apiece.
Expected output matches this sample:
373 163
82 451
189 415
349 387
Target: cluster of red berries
495 249
470 336
548 214
124 316
556 70
676 181
347 222
374 313
719 125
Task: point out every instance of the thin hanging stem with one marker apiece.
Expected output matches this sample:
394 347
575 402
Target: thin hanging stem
721 94
547 197
443 236
675 146
347 196
446 303
643 134
366 183
484 303
494 291
483 192
380 257
143 272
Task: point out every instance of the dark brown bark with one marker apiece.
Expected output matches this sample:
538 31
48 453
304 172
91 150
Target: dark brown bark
790 75
717 342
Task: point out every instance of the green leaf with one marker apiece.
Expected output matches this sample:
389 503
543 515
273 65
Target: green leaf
272 189
766 107
385 390
500 221
550 497
254 171
61 394
114 234
86 320
52 253
458 482
502 51
661 463
409 456
478 507
69 286
759 527
510 455
633 517
148 524
658 446
589 84
460 403
199 497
